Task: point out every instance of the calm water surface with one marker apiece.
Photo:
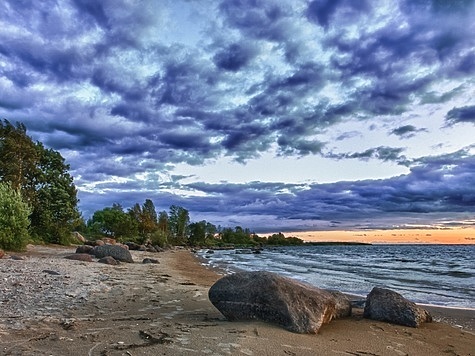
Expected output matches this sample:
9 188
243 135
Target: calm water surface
431 274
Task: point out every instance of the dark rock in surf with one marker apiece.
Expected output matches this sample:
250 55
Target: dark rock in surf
266 296
387 305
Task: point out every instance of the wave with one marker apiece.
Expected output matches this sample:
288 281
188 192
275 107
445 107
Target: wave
433 274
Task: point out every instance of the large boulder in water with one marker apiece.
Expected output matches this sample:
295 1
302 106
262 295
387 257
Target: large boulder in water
266 296
387 305
118 252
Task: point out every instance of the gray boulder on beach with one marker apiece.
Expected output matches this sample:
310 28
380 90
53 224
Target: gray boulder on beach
268 297
84 249
85 257
109 260
387 305
118 252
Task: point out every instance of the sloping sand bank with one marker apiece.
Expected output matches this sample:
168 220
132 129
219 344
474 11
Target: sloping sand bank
53 306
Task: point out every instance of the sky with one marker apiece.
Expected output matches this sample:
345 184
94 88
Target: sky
276 115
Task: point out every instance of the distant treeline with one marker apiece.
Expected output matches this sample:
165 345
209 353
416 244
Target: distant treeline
142 223
335 243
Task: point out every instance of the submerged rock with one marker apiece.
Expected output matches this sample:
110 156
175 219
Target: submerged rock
266 296
387 305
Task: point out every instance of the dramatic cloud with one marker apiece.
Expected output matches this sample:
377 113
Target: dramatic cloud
465 114
407 131
228 95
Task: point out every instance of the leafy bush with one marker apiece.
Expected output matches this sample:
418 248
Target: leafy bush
14 221
159 238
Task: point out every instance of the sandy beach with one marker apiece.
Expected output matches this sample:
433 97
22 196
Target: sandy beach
53 306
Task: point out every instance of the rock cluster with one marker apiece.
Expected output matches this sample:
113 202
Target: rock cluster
302 308
108 251
269 297
38 287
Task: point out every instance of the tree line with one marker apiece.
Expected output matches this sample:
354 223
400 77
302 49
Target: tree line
142 223
38 203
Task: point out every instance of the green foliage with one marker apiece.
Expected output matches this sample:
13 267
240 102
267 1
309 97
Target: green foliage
163 222
112 222
145 217
41 175
159 238
18 158
238 236
55 210
178 223
13 219
175 228
201 233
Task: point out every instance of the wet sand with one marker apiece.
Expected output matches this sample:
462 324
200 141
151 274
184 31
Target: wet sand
163 309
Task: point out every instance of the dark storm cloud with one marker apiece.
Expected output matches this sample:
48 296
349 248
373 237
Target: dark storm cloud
322 11
258 19
383 153
463 114
406 131
121 89
184 81
384 56
435 187
432 188
347 135
234 57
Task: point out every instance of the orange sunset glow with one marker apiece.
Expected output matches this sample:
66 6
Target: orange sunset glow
398 236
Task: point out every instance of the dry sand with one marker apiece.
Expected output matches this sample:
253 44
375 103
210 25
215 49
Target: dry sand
163 309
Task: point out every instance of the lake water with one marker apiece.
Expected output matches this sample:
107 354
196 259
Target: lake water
430 274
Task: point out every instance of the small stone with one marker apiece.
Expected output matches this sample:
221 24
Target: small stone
80 257
54 273
109 260
150 260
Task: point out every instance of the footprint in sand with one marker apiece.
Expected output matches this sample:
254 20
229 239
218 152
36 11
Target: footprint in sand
399 352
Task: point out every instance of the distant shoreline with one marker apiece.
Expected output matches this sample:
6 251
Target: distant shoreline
455 236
